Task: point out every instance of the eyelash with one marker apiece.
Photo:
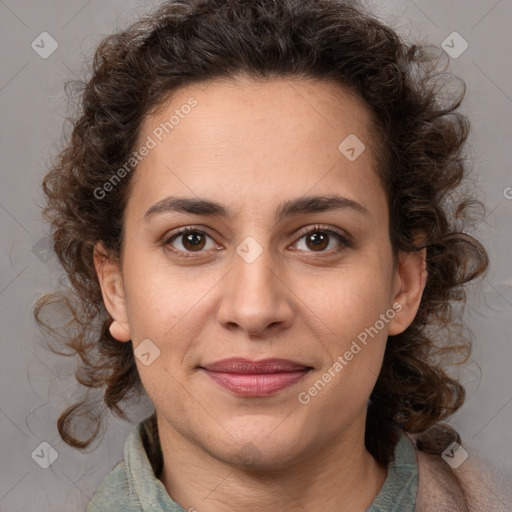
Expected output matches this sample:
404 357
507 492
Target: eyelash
345 243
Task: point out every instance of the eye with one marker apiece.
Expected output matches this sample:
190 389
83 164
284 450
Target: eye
192 240
317 239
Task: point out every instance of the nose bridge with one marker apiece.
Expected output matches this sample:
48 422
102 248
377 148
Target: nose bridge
255 297
253 267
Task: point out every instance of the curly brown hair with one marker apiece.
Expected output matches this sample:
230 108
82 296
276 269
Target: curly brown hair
419 141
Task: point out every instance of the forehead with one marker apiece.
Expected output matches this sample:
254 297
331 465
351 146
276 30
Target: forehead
242 137
311 106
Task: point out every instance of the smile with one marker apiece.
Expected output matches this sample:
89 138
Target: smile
260 384
255 378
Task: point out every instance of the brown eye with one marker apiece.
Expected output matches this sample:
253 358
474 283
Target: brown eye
318 239
192 240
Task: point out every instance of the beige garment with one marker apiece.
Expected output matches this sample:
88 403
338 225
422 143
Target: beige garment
489 488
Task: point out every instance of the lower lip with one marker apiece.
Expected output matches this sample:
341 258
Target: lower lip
261 384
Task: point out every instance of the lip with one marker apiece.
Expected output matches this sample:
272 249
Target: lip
255 378
241 365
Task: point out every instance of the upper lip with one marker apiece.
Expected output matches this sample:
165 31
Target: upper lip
246 366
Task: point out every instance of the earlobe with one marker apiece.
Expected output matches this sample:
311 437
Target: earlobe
119 332
409 284
112 289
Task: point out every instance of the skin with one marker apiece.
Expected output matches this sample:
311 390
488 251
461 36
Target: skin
250 146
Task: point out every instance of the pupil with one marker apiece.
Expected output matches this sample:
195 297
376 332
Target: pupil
191 240
318 239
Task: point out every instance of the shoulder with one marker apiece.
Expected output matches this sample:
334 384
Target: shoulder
486 486
114 493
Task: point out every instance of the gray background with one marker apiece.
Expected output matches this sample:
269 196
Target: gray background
36 385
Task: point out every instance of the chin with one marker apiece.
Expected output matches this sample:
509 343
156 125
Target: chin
257 459
263 447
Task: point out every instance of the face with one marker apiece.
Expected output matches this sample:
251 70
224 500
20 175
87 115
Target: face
263 273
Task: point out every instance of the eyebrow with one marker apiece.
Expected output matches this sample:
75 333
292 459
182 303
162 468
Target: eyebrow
289 208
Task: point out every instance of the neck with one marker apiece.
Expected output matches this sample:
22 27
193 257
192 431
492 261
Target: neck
341 476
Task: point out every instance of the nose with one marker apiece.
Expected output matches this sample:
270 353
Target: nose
255 297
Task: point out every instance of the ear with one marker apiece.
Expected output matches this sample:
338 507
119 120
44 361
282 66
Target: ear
408 285
112 289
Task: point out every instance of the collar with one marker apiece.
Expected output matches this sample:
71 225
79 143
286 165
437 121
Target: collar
398 492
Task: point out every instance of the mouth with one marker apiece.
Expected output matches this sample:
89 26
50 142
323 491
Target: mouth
255 378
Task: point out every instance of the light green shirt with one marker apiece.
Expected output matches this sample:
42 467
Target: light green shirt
133 484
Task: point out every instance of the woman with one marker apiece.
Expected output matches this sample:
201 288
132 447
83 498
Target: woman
261 208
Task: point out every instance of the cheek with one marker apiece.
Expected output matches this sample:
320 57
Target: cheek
345 310
354 344
170 305
164 300
349 299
